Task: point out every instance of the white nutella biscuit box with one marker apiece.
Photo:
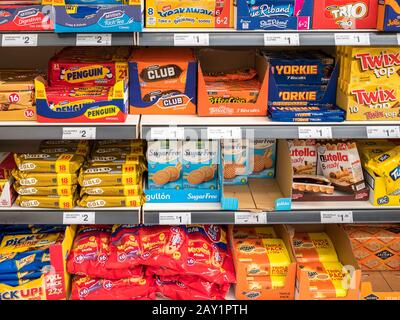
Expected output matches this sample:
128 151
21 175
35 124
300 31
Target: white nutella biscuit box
303 154
235 160
164 159
200 164
262 154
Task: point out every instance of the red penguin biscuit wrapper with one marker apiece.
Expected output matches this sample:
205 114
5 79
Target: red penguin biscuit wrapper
135 288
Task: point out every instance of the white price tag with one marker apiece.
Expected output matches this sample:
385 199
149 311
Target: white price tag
19 40
167 133
216 133
315 132
250 217
191 39
281 39
78 133
175 218
352 39
398 39
336 216
82 217
93 39
382 132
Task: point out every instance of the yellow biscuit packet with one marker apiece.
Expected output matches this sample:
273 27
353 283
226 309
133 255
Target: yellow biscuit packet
133 190
135 150
119 143
82 150
44 179
44 162
265 283
242 232
56 202
368 153
45 191
110 175
88 201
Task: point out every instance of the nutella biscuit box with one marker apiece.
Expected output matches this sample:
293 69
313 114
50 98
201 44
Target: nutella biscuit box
303 154
164 159
235 161
200 162
262 154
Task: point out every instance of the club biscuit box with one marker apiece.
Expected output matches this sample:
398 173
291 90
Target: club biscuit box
345 14
189 14
389 15
274 15
26 17
162 83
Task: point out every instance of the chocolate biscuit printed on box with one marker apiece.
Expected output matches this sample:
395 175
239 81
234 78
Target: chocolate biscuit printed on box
388 15
235 161
274 14
26 16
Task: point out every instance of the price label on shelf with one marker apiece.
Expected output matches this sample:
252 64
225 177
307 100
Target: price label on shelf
352 39
216 133
250 217
336 216
315 132
191 39
79 133
93 39
281 39
82 217
19 40
175 218
167 133
382 132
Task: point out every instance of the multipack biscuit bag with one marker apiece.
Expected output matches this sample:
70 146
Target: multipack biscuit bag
44 179
262 153
98 201
55 202
111 175
200 161
303 154
235 161
164 159
121 190
45 191
43 162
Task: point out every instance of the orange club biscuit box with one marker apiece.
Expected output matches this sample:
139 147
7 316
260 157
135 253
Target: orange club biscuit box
162 82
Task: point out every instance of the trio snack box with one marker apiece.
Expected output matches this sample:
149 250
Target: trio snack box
162 82
55 285
345 14
274 15
219 60
345 256
286 292
389 15
380 285
189 14
26 17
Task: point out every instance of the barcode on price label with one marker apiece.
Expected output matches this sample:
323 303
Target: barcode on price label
191 39
382 132
93 39
167 133
250 217
315 132
352 39
19 40
336 216
84 217
281 39
216 133
175 218
84 133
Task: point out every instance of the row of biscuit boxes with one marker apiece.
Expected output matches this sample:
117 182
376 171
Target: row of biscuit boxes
348 283
96 16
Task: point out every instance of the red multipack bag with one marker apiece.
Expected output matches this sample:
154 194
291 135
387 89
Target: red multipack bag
190 288
90 253
164 246
135 288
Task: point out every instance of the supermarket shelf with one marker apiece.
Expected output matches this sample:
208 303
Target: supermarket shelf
160 37
18 215
30 130
255 127
306 212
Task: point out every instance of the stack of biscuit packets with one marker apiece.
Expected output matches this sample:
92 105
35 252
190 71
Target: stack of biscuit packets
48 178
112 175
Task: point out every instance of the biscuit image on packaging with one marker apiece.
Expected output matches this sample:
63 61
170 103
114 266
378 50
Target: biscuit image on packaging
262 158
303 154
253 232
129 190
265 282
113 175
235 161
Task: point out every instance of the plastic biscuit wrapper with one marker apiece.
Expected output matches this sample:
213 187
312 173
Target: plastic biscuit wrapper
64 144
53 202
45 191
117 159
241 232
33 260
17 79
19 278
314 247
81 150
112 175
44 162
265 282
119 143
97 201
133 190
16 243
327 279
30 229
44 179
116 150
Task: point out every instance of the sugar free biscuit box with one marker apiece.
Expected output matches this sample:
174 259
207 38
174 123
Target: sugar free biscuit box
26 17
389 15
345 14
162 82
274 15
189 14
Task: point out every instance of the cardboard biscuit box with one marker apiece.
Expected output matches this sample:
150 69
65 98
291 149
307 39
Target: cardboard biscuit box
26 17
380 285
389 15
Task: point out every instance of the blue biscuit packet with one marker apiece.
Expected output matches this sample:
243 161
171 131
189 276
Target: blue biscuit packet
30 229
14 277
304 112
296 67
268 9
34 260
308 93
326 119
